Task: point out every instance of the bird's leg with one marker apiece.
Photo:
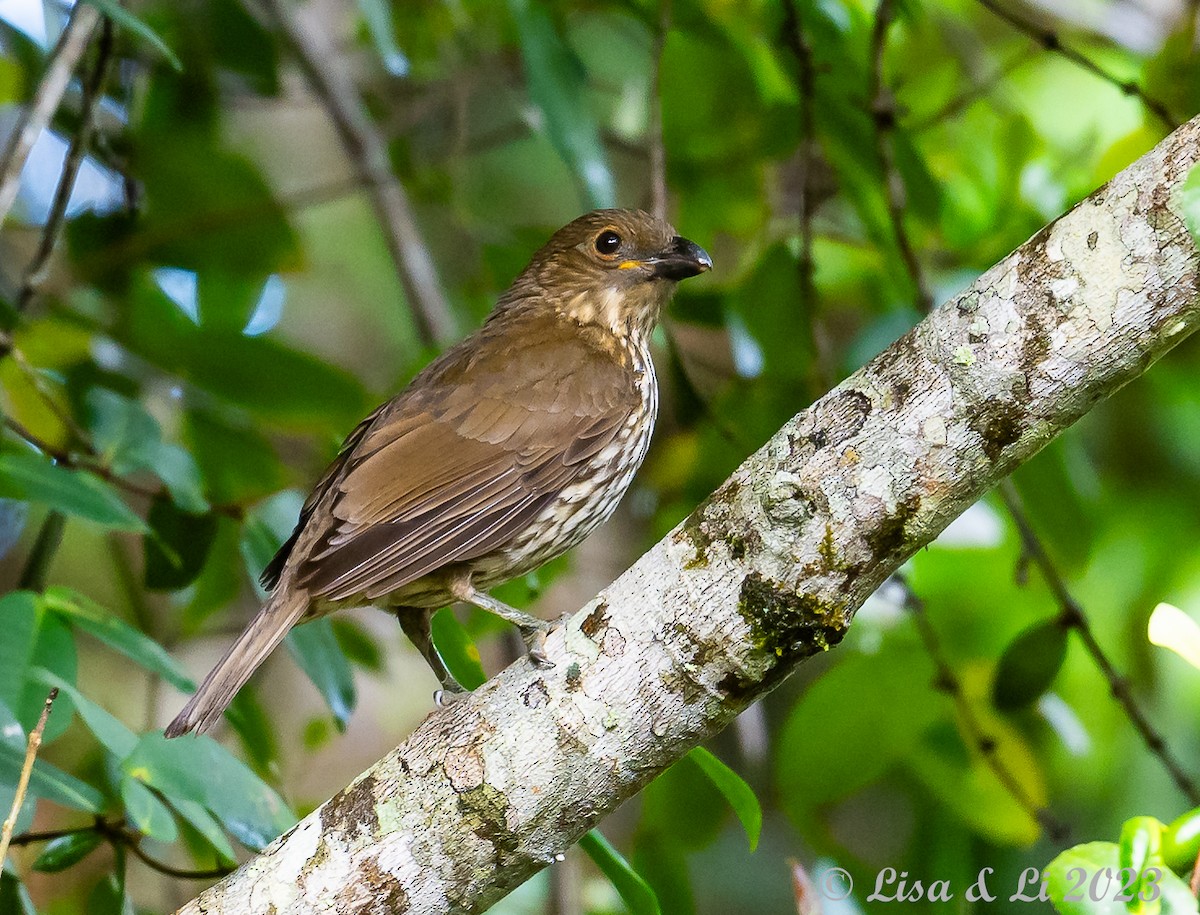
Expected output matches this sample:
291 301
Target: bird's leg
415 623
533 630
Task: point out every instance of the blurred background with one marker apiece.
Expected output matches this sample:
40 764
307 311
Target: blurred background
281 212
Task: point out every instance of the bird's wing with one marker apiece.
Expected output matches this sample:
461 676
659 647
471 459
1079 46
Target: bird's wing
461 463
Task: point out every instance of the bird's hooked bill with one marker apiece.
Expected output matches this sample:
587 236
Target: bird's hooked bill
683 259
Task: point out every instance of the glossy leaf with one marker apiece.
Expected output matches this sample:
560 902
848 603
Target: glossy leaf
1086 879
635 891
740 796
61 853
378 16
557 85
73 492
1029 665
198 769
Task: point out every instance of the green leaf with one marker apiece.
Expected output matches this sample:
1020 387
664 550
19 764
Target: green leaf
45 781
14 897
378 16
146 812
84 613
130 439
32 638
126 20
1181 840
315 648
1189 202
59 854
255 729
73 492
1029 665
635 891
1141 853
458 651
198 769
735 790
113 735
558 87
175 555
1085 880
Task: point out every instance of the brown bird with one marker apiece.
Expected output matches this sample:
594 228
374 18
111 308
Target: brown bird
502 454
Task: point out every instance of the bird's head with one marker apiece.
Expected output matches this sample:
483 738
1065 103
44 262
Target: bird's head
612 268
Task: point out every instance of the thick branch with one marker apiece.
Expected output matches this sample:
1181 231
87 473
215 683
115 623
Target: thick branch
767 572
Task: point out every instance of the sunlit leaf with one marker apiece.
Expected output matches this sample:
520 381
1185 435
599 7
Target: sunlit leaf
1171 628
457 649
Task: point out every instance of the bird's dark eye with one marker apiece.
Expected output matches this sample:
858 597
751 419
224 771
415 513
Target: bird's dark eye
607 242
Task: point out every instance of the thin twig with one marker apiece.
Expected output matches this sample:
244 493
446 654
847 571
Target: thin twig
93 91
1072 615
31 751
883 116
1050 40
658 154
134 845
983 87
948 682
432 316
34 118
797 41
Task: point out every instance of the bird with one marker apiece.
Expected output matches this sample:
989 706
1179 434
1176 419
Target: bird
503 453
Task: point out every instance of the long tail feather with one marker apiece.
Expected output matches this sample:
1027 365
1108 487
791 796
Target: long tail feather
265 632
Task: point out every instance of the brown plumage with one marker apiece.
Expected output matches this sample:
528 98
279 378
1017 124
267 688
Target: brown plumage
503 453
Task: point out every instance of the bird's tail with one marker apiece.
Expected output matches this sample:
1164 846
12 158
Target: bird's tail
282 611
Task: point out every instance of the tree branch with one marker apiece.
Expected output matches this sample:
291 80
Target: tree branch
366 148
768 571
36 115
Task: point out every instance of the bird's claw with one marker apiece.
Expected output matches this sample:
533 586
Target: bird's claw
535 642
444 698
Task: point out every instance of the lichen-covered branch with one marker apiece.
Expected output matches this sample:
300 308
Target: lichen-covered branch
768 571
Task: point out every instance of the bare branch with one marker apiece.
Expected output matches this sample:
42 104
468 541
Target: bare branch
31 751
1072 615
768 571
1050 40
93 91
883 114
658 153
983 742
34 118
434 320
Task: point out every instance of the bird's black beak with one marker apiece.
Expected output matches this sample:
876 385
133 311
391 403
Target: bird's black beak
683 259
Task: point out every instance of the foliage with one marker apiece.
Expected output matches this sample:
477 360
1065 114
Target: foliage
222 309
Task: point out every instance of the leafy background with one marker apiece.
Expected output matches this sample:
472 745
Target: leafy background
225 302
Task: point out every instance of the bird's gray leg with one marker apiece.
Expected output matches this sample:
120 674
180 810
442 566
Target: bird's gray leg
415 623
533 630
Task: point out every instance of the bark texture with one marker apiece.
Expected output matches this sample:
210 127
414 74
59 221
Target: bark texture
767 571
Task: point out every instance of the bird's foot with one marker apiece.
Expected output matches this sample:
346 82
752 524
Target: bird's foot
535 641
